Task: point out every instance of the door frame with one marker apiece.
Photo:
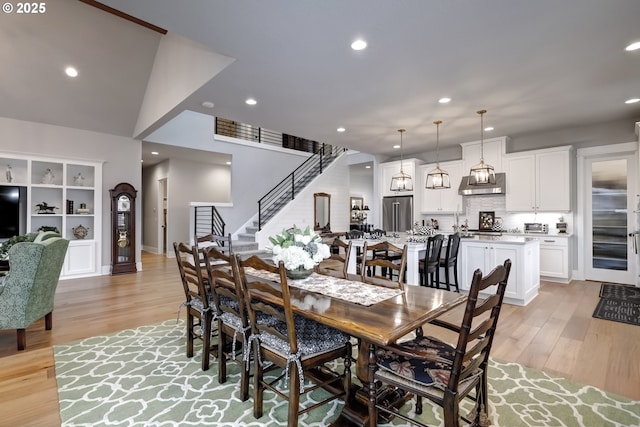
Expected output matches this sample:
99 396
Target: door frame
163 202
584 156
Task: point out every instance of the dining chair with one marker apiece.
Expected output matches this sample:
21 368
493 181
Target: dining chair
293 344
441 372
200 308
232 318
223 243
391 259
336 265
450 261
430 265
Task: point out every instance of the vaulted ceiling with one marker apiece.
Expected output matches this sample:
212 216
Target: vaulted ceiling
534 65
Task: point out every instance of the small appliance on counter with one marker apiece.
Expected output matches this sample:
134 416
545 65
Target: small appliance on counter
536 227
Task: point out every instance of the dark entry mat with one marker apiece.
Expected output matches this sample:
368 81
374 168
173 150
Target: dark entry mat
620 292
618 311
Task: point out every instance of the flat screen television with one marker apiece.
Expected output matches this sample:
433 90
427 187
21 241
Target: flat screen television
12 211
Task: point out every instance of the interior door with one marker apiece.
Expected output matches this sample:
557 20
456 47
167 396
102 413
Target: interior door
609 218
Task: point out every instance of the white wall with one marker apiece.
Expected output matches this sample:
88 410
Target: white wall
121 157
255 168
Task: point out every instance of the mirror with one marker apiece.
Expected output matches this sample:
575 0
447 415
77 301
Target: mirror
357 210
322 212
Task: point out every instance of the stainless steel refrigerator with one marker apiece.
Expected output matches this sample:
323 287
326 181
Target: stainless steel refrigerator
397 213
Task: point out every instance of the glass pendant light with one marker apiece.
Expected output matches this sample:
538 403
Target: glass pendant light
482 173
437 178
401 181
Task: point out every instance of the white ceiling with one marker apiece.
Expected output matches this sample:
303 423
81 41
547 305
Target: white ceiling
534 65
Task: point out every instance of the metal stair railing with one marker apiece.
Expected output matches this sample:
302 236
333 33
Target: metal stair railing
296 181
207 220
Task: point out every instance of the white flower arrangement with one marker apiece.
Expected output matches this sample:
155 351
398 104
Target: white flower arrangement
298 249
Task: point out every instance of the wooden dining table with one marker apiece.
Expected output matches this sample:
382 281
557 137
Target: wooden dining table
378 324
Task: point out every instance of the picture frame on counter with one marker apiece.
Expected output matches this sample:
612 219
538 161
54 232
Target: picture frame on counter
486 219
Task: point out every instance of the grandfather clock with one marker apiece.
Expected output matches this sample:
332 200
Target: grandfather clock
123 229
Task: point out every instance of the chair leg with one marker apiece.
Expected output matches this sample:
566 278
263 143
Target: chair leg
455 276
222 357
447 279
258 388
205 330
450 409
22 339
244 379
373 390
48 321
294 395
190 334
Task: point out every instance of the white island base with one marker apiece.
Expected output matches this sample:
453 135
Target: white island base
486 253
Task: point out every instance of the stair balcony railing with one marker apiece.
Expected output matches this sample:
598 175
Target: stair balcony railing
287 189
207 220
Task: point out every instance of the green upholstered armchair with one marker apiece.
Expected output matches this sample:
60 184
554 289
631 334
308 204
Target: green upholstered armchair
27 291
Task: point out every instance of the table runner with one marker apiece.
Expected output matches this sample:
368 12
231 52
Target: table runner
334 287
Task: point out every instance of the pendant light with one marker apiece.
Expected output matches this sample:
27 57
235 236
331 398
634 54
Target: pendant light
437 178
401 181
482 173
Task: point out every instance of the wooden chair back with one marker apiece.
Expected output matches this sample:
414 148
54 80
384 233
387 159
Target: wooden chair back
386 256
191 275
336 265
264 299
477 329
226 290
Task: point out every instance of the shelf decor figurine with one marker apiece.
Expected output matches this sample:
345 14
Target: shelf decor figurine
48 177
80 232
44 208
78 180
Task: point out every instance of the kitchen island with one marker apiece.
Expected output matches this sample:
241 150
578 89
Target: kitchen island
486 252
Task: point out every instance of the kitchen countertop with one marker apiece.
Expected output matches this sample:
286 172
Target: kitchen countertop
517 240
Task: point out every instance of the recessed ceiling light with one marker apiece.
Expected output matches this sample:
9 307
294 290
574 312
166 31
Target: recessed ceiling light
396 146
341 129
228 163
633 46
444 100
155 153
359 44
632 101
207 104
368 167
251 101
71 72
488 128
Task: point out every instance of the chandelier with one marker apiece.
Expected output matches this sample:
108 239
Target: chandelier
401 181
437 178
482 173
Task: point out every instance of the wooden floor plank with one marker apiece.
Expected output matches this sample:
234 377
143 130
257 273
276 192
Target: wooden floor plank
555 333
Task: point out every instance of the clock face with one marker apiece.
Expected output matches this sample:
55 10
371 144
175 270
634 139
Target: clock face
124 204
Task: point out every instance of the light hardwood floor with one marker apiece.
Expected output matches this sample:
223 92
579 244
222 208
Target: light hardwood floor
555 333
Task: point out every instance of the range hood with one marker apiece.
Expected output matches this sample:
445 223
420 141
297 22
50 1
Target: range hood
500 187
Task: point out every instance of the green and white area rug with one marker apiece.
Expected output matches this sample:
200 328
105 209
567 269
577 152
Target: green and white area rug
141 377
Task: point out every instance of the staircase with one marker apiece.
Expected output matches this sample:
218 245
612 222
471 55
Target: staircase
208 219
285 191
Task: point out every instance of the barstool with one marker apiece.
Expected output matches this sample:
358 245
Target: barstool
450 261
430 265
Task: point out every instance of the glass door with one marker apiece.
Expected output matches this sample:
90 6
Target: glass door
609 219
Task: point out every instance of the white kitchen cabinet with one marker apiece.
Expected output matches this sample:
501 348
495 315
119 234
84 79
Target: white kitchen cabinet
445 200
72 193
524 279
539 181
388 170
494 150
554 258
